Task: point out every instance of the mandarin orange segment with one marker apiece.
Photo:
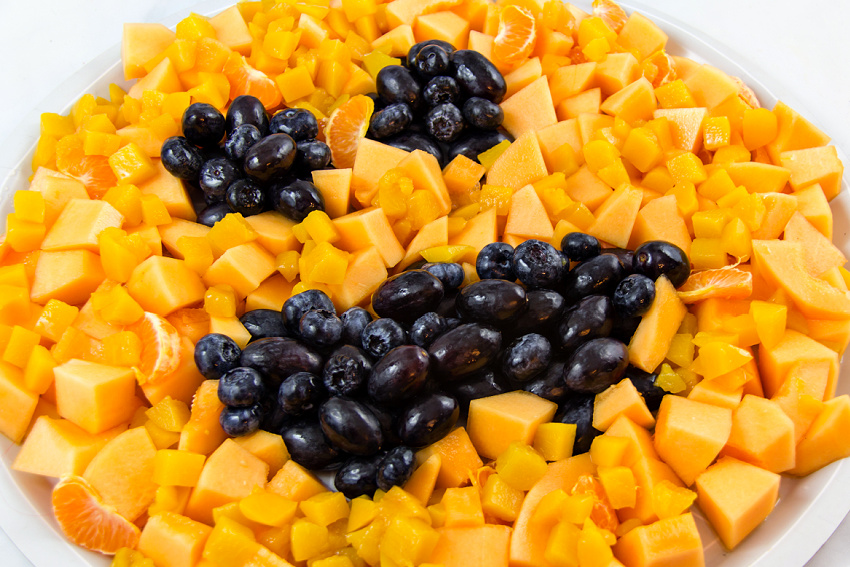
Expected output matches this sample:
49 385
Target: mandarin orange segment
160 348
87 521
611 13
346 126
602 513
517 34
747 94
246 80
92 171
659 68
725 283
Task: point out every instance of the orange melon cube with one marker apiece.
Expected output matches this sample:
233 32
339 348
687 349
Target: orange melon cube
367 228
433 234
641 445
716 393
661 219
203 432
530 109
479 231
446 26
761 435
794 133
497 421
230 473
366 271
243 267
523 76
18 403
658 326
163 285
621 399
825 441
463 507
458 458
170 191
615 218
423 480
586 188
69 276
519 165
481 545
178 228
616 71
462 175
685 126
812 204
372 160
635 102
424 170
819 165
776 362
821 254
759 177
527 216
672 541
649 473
794 397
710 86
295 483
266 446
736 497
570 80
95 396
689 435
779 208
173 540
231 30
139 44
641 35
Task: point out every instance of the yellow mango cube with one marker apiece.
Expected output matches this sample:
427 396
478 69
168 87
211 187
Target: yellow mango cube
716 132
55 318
325 508
131 164
127 200
123 348
231 231
308 540
608 450
177 468
669 500
501 500
20 345
562 545
154 211
38 374
116 306
29 206
686 166
555 440
268 508
521 466
409 541
619 484
220 301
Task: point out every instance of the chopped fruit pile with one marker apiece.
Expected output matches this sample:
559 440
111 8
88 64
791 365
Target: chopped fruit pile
421 282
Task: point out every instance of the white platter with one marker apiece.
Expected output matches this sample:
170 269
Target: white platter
809 509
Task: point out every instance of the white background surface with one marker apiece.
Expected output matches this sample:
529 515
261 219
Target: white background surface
801 50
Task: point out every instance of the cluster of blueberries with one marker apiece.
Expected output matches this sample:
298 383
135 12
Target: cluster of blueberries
246 162
360 395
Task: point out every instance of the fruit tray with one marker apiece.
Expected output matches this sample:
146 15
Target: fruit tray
808 511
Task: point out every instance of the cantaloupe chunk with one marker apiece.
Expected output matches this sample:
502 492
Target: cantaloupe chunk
335 187
671 541
230 474
616 71
621 399
435 233
761 435
203 433
685 126
274 231
462 175
553 137
588 124
527 217
497 421
79 224
372 160
295 482
781 264
163 285
231 30
812 204
652 339
519 165
268 447
689 435
67 275
661 219
570 80
716 393
457 455
172 540
585 187
242 267
794 133
523 76
826 440
634 102
710 86
172 232
794 398
56 447
821 254
530 109
163 78
485 545
367 228
366 271
648 472
180 384
775 363
170 191
95 396
528 542
16 402
759 177
779 208
139 44
640 446
815 165
736 497
479 231
615 218
122 472
446 26
424 170
423 480
641 35
57 189
406 11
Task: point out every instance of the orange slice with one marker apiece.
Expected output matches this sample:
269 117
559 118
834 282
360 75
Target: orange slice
92 171
746 93
87 521
517 33
160 348
602 513
245 80
725 283
611 13
659 68
346 126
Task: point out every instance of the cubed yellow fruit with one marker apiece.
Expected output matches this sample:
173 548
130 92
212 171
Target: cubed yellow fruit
497 421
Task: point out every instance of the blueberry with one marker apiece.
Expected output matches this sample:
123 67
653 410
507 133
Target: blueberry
241 387
396 467
354 320
634 295
320 328
526 357
239 421
495 261
658 257
213 213
539 265
396 84
424 330
346 371
450 274
296 306
247 109
440 90
579 246
381 336
430 61
311 155
240 140
270 158
444 122
301 393
482 114
181 159
358 476
203 125
297 199
262 323
216 354
245 197
216 176
390 120
298 123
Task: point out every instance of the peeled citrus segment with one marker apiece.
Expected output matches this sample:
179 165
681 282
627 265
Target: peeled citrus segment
602 513
245 80
160 348
659 68
724 283
747 94
92 171
347 125
517 33
87 521
611 13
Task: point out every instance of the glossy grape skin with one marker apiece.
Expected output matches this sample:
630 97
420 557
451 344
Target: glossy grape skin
247 110
308 446
463 351
311 155
578 246
245 197
387 418
526 357
297 123
381 336
451 274
445 122
269 158
399 375
410 141
493 302
354 320
297 199
240 421
346 371
482 114
590 318
495 261
217 175
544 308
407 296
216 354
538 264
262 323
278 357
578 409
396 84
213 213
480 385
626 258
296 306
549 384
396 467
440 90
644 383
390 120
597 276
428 419
634 295
350 426
320 328
241 387
424 330
415 48
301 393
203 125
660 258
240 140
474 143
181 159
358 476
430 61
477 76
596 365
